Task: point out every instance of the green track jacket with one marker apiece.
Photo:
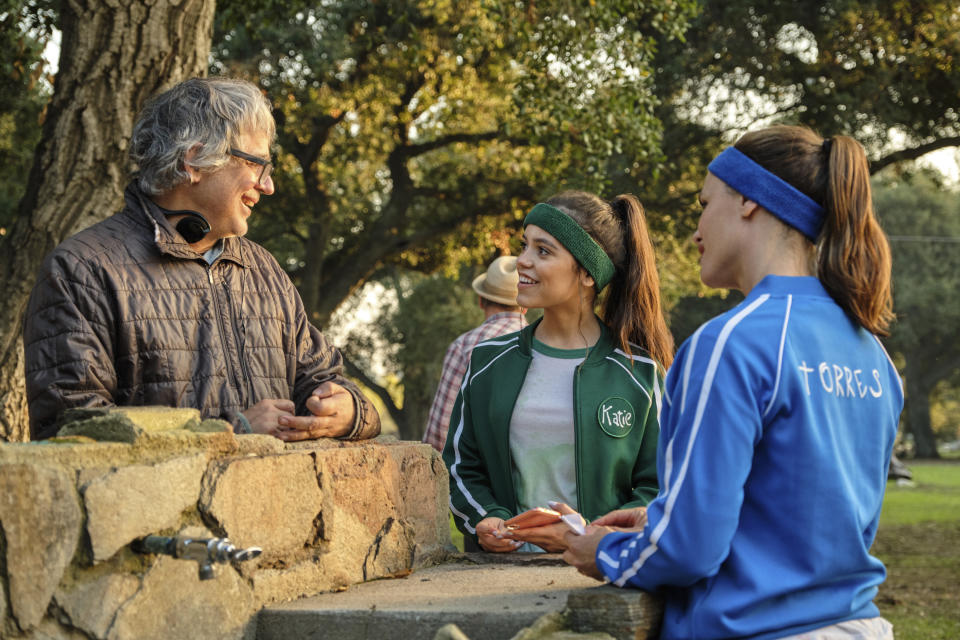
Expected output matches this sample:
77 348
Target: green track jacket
617 403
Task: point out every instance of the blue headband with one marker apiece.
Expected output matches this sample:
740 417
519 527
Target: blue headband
771 192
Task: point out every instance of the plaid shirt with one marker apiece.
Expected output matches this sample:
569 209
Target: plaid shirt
455 364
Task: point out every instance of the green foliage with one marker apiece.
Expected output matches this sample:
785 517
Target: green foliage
923 221
414 135
429 316
692 311
419 316
945 410
456 536
448 307
404 124
863 68
857 67
24 91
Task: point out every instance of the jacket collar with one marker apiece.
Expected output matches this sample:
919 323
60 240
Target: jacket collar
604 347
165 237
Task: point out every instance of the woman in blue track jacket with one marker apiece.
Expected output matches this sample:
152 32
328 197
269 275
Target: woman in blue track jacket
567 409
779 416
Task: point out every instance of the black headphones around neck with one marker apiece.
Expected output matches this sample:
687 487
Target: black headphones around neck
193 227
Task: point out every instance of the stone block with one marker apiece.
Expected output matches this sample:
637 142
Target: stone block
92 605
148 418
359 496
625 614
41 517
167 444
290 582
552 626
160 418
259 444
372 483
135 501
71 455
50 629
391 554
321 443
450 632
370 526
71 440
108 428
210 426
424 493
360 491
270 502
174 603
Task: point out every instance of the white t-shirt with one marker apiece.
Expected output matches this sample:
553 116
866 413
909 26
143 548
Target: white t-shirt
541 429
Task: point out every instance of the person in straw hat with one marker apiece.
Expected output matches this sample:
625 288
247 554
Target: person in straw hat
497 296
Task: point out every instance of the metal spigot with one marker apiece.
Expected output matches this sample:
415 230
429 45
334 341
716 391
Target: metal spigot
206 551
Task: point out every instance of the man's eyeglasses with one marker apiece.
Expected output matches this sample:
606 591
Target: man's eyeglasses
266 167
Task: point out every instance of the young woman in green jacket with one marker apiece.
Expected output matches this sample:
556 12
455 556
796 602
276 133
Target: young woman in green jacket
565 410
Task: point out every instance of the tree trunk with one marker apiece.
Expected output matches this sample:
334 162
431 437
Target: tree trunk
917 406
113 56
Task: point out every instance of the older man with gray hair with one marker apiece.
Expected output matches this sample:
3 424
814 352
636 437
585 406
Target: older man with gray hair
166 303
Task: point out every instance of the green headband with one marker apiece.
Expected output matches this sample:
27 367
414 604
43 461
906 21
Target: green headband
571 235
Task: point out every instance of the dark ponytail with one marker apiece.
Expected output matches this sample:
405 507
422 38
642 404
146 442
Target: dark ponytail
631 305
853 255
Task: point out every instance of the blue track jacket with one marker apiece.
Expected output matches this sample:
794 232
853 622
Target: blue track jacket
778 422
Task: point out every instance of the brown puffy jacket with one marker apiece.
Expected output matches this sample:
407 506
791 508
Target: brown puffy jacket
126 313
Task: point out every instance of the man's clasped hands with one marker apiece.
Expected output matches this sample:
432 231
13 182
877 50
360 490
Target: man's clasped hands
332 408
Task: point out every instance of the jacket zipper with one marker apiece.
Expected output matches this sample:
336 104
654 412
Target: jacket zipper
226 351
240 341
576 434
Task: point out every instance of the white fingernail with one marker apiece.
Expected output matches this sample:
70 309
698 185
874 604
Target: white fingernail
552 504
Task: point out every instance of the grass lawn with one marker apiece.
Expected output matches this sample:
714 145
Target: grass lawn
919 541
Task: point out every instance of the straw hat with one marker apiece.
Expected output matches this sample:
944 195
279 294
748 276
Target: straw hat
499 283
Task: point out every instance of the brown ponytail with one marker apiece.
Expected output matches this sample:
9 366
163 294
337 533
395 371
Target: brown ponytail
631 307
853 255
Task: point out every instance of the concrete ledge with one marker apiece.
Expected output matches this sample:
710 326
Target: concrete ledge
490 601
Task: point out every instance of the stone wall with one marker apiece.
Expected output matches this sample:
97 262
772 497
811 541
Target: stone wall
327 514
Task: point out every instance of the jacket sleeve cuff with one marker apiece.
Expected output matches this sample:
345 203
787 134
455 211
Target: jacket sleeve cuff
499 512
358 419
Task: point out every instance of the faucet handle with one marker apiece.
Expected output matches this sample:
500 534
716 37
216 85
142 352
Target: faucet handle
223 551
241 555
